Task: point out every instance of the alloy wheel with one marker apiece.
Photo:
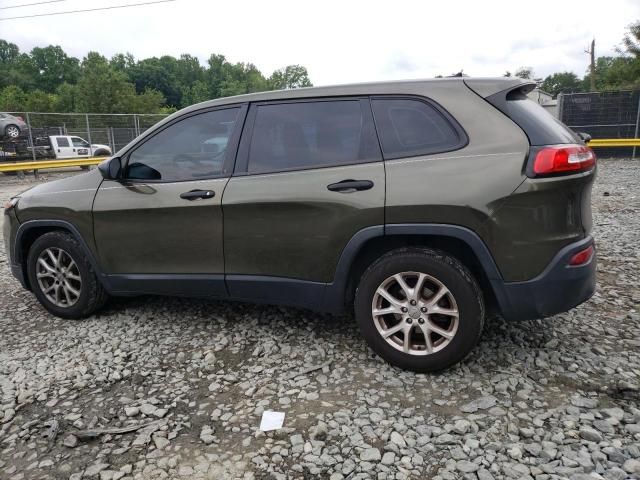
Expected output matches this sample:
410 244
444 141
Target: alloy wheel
58 277
415 313
12 131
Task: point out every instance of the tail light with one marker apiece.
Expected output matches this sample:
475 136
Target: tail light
582 257
20 118
562 160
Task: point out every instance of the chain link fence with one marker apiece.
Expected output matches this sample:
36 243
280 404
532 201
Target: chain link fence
604 115
113 130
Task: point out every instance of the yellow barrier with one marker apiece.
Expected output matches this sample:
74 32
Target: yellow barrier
43 164
614 142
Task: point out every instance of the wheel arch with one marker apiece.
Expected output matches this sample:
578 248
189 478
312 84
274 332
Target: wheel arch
371 243
30 231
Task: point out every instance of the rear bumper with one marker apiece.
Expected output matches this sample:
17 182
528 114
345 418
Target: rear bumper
559 288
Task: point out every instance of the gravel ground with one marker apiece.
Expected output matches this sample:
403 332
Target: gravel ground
550 399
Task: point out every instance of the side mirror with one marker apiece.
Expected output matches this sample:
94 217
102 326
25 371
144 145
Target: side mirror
110 168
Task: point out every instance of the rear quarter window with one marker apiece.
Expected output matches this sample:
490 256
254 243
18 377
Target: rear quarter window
540 126
411 127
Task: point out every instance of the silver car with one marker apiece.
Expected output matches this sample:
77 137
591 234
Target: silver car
10 126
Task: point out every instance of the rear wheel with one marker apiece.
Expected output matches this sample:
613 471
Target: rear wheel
419 309
62 277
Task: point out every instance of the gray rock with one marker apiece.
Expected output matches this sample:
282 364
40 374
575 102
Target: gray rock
481 403
388 458
370 455
584 402
147 409
590 434
95 469
603 426
398 439
484 474
462 426
466 466
631 466
70 441
131 411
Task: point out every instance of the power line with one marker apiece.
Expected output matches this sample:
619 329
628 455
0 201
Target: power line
87 10
31 4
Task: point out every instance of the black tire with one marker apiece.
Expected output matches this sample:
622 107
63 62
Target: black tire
451 273
12 128
92 295
101 153
84 167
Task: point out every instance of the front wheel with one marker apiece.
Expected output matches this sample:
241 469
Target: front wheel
62 277
419 309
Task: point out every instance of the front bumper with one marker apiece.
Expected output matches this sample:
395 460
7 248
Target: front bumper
559 288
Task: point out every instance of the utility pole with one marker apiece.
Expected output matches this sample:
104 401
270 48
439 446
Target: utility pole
592 66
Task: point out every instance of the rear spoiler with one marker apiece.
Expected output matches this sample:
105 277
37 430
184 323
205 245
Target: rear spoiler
487 87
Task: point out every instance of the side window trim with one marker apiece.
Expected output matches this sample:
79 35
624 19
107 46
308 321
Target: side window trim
230 154
242 157
462 134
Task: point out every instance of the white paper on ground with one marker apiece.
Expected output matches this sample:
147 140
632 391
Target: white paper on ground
271 420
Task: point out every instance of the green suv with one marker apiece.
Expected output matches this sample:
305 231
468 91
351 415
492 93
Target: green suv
419 205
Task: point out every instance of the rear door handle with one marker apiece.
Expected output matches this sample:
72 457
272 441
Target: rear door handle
350 186
195 194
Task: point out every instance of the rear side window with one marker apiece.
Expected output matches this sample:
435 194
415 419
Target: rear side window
63 141
305 135
410 127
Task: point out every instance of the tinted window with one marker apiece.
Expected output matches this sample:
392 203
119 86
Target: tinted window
63 142
189 149
541 127
305 135
412 127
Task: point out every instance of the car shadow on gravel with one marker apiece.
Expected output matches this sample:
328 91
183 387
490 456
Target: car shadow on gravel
500 345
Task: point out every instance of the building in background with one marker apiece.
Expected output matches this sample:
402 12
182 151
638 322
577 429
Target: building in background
545 99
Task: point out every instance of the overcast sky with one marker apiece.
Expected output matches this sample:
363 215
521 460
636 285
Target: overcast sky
339 41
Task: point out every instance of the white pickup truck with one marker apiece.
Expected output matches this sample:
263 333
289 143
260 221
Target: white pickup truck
69 146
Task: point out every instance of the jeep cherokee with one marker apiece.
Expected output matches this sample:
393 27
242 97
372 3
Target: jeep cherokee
419 205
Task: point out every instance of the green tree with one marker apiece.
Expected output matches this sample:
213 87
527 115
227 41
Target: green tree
66 98
47 78
292 76
524 72
102 89
615 73
196 93
53 67
13 99
631 40
39 101
123 62
565 82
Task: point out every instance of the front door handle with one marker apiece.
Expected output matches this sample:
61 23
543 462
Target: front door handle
195 194
350 186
